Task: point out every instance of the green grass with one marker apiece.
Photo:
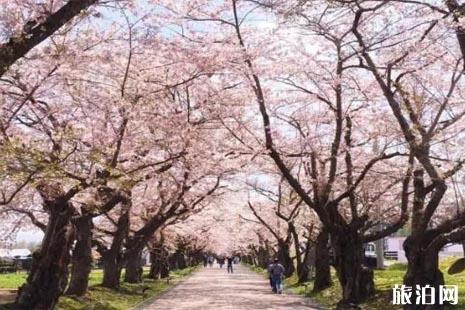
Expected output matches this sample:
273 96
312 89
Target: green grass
456 279
128 296
15 280
12 280
258 269
100 298
384 281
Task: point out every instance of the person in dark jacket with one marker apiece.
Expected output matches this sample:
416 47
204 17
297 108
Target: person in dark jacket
211 261
230 264
276 273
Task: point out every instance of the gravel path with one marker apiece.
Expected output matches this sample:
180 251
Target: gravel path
214 288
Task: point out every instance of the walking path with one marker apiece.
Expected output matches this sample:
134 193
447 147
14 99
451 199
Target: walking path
213 288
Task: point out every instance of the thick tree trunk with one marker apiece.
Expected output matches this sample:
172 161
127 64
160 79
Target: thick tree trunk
180 260
49 276
82 257
285 259
164 270
136 244
113 258
111 269
155 265
194 259
298 254
356 280
422 270
159 261
159 267
134 268
322 262
305 273
172 262
263 257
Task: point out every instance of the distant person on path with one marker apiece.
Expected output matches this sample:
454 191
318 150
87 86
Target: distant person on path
230 265
221 262
211 260
205 261
276 272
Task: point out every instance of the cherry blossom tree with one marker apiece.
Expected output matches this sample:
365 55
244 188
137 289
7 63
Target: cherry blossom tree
335 201
25 24
68 141
136 122
281 213
428 112
174 200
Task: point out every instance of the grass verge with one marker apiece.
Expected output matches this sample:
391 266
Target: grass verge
384 282
12 280
100 298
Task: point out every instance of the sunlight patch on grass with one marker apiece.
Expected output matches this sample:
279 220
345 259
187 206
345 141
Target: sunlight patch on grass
12 280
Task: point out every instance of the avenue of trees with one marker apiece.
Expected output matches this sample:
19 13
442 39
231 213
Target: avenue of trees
300 130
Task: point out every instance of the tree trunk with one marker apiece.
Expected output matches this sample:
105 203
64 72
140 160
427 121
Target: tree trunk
134 268
301 273
263 257
248 259
159 262
180 260
285 259
113 258
154 272
305 273
356 280
194 259
82 257
322 262
155 265
422 270
111 269
165 270
48 278
136 245
172 262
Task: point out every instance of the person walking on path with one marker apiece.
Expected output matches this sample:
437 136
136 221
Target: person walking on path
211 260
230 265
221 261
276 273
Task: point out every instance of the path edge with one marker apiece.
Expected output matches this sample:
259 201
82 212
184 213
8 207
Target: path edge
148 301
